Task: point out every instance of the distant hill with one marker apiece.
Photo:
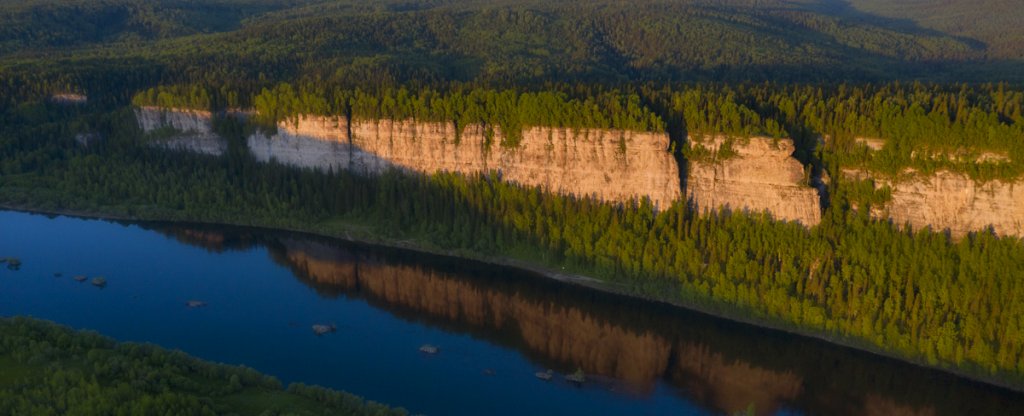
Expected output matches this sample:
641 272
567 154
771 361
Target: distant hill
524 41
998 24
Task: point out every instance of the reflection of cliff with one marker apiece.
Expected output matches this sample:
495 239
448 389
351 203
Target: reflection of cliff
212 239
555 329
732 385
719 364
875 405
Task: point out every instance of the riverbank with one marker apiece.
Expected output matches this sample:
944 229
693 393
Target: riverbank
37 352
363 234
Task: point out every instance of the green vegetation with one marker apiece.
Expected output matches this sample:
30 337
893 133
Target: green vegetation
240 43
50 369
993 23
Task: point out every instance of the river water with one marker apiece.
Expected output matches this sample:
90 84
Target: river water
495 328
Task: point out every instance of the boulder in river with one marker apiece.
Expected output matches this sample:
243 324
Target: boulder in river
544 375
321 329
80 278
578 377
195 304
99 281
429 349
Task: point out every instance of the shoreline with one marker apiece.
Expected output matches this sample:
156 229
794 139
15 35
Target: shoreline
543 271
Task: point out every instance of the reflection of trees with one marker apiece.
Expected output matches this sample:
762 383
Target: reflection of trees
719 364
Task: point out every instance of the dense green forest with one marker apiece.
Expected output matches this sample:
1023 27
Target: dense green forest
241 42
50 369
995 23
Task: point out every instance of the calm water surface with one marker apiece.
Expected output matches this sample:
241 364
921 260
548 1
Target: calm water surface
495 328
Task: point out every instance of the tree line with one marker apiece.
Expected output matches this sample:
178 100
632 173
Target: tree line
51 369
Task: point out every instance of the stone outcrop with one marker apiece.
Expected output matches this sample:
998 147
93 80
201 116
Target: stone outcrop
611 165
761 175
190 130
953 201
308 142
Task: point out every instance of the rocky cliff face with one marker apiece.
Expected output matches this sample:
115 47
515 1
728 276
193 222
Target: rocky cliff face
611 165
762 175
952 201
308 142
182 129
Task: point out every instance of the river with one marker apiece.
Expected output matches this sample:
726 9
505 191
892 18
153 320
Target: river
494 327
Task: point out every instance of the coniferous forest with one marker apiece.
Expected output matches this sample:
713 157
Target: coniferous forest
822 75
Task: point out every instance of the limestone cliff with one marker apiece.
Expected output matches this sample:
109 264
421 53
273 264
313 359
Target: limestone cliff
612 165
308 142
953 201
181 129
760 175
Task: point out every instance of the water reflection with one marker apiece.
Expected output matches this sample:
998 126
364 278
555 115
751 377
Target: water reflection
721 365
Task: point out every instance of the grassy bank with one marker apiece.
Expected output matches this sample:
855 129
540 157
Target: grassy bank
51 369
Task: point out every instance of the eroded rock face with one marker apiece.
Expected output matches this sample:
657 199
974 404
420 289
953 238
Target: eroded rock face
762 175
308 142
611 165
952 201
193 129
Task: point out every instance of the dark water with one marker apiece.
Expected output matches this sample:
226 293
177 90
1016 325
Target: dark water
495 328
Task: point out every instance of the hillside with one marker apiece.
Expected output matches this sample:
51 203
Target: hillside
500 41
993 23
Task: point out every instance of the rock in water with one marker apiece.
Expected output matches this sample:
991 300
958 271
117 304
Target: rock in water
578 377
320 329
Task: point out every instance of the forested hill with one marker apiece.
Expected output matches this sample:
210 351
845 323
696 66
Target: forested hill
995 23
508 41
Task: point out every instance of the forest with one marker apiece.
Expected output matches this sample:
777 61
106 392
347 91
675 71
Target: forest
50 369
